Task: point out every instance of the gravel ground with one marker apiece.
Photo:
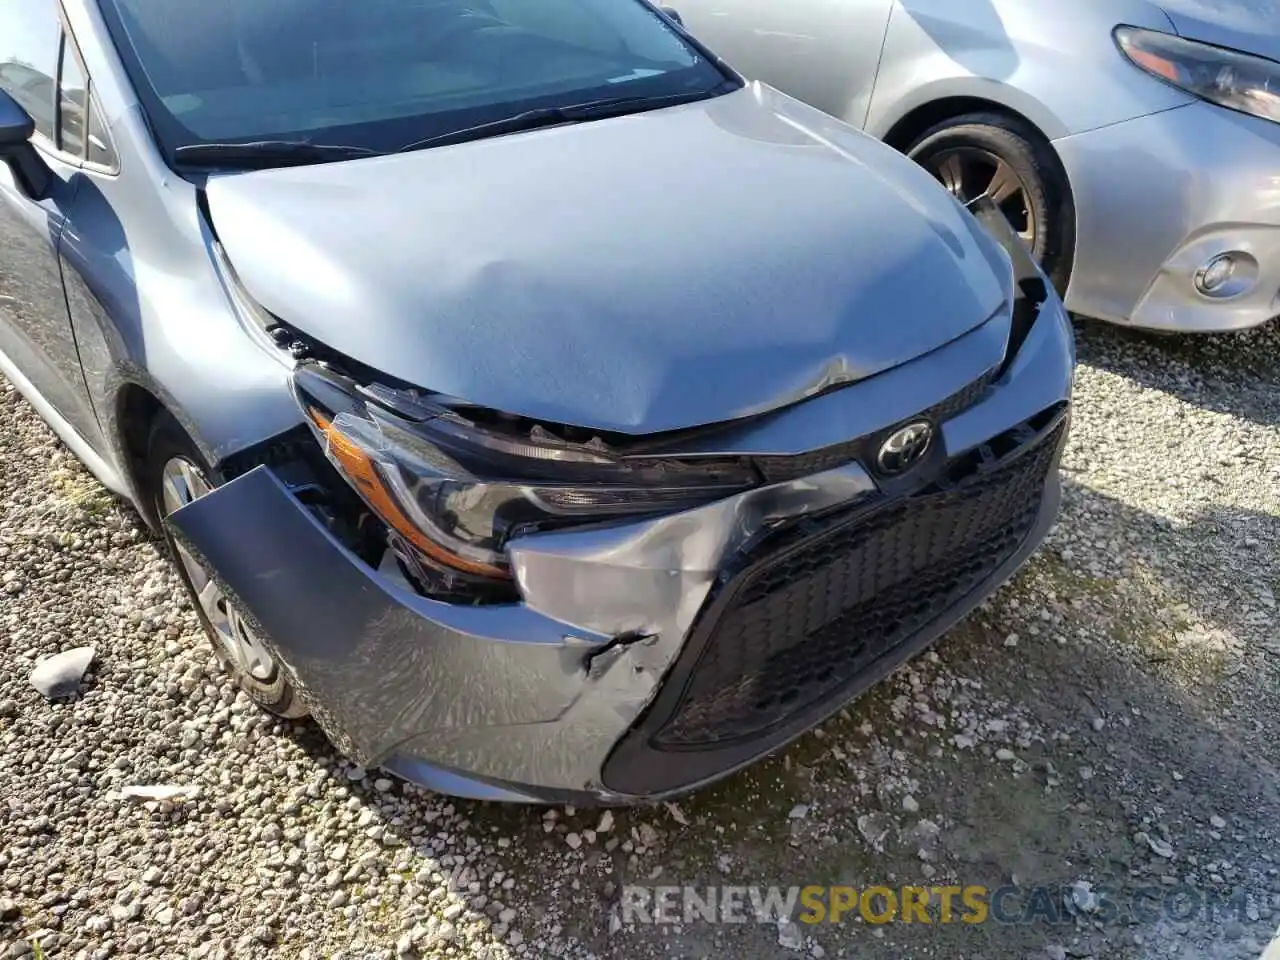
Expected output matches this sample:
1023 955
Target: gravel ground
1108 719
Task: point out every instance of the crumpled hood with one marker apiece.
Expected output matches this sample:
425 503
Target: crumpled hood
1248 25
638 274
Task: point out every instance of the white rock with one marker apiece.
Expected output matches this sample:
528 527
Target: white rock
799 811
1082 897
789 936
60 675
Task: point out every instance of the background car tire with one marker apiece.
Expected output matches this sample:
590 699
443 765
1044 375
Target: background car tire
984 138
268 685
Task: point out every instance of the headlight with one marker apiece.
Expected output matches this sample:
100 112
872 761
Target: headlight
1237 81
455 491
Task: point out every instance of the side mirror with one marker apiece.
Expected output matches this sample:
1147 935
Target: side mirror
29 168
673 14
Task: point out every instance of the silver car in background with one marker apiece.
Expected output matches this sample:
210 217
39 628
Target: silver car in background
1134 144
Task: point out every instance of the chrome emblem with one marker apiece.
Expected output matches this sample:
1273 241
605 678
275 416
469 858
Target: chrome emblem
905 448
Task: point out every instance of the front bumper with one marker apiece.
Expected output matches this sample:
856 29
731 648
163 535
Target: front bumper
554 699
1156 199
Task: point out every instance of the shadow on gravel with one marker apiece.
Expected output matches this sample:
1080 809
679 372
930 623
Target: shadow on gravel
1227 373
1091 723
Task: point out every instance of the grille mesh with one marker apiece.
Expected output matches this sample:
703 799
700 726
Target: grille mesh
806 623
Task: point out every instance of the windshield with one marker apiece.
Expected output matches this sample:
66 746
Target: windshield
378 74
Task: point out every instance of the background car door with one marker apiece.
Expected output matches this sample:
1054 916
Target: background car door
825 52
35 330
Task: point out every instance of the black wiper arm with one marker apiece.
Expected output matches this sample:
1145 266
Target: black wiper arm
571 113
620 106
267 153
528 120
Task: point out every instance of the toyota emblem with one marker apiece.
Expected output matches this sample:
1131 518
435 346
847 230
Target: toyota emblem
905 448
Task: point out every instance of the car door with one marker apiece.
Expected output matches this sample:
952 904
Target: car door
824 52
35 329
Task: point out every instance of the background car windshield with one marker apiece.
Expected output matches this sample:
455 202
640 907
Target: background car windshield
380 73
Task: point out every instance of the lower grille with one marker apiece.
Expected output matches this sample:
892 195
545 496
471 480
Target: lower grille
809 618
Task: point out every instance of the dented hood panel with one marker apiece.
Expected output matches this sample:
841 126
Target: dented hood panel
639 274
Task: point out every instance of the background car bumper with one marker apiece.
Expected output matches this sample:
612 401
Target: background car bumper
1157 199
509 703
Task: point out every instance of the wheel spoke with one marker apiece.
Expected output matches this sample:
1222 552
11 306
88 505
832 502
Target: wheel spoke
174 492
257 661
210 598
199 579
196 483
951 173
1004 185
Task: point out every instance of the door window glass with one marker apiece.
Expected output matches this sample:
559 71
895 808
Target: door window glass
73 97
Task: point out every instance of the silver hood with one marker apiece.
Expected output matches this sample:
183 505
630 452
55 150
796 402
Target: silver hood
1248 25
639 274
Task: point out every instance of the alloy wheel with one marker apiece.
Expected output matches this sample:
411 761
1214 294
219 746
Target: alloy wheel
970 173
181 483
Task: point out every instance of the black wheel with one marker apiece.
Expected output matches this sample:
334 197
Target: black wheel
177 474
989 154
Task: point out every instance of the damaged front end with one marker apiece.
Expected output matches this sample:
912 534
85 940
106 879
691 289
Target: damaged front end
514 610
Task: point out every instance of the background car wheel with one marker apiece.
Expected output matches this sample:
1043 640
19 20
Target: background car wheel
176 475
1003 158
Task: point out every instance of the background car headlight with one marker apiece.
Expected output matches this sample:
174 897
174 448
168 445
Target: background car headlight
1238 81
456 491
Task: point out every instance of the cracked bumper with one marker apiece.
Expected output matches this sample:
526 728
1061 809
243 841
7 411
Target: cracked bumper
534 701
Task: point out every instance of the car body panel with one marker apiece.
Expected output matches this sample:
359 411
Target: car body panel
824 52
506 260
1018 55
1004 51
1249 25
35 331
1206 179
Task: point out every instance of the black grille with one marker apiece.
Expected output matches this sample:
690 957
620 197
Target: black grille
810 618
781 469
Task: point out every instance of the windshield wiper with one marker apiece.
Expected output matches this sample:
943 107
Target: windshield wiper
572 113
267 153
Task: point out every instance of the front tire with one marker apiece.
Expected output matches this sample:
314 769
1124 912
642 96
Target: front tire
177 474
1002 157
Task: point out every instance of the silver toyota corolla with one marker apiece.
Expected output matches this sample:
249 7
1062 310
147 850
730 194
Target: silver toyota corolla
545 410
1134 143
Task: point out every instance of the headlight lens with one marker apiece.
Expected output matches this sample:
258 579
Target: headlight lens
1237 81
456 491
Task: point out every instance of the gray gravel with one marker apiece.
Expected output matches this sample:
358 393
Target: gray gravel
1107 722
